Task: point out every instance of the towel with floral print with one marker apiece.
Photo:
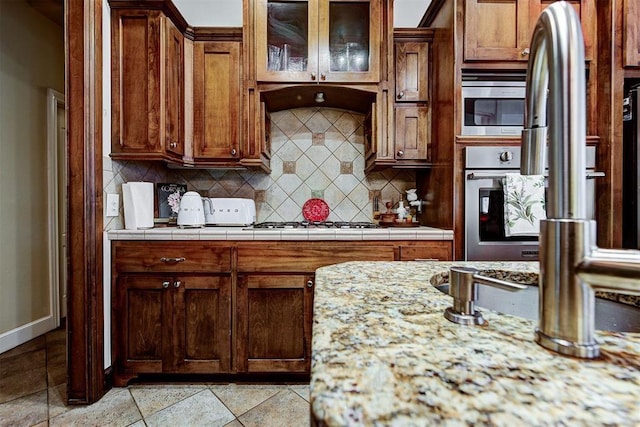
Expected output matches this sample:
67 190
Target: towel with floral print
524 204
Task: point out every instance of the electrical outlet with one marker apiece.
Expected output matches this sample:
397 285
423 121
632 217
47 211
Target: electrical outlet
113 202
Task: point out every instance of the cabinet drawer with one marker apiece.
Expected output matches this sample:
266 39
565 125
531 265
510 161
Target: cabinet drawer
437 251
171 257
294 258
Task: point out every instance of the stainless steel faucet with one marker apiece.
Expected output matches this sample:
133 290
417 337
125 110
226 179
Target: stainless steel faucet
572 267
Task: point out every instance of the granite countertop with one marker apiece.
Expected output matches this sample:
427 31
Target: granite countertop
314 234
383 354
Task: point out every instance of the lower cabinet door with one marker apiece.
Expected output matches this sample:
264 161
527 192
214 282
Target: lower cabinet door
141 332
274 323
171 324
202 324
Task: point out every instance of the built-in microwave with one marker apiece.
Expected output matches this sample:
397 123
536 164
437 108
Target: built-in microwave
493 107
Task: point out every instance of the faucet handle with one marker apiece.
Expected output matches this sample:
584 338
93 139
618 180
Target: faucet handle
462 287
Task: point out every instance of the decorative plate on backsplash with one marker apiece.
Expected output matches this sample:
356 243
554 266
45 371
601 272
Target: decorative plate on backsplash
315 210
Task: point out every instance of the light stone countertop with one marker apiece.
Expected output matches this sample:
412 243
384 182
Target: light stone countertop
383 354
297 234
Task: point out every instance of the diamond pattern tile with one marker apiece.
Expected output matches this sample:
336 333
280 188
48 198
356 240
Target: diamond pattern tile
317 169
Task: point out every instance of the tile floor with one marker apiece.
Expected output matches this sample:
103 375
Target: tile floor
33 393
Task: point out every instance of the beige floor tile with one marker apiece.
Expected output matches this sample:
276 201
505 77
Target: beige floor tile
285 409
151 399
56 336
240 398
302 390
19 363
116 408
58 400
201 409
138 424
22 384
35 344
56 375
234 423
25 411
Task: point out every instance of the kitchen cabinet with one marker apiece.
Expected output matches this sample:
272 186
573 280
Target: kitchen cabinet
412 131
412 109
217 82
501 30
147 86
631 33
232 307
274 318
412 69
275 299
171 309
425 251
318 40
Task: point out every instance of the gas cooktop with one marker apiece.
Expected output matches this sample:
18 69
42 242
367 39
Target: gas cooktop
314 225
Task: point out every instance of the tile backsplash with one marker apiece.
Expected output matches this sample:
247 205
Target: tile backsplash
315 152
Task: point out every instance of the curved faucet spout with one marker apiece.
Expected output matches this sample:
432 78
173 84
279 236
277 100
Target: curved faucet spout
557 63
571 265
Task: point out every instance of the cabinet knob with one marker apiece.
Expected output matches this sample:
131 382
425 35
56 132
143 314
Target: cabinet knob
323 76
401 94
176 284
165 285
173 144
525 51
400 153
173 260
310 284
313 76
233 152
505 156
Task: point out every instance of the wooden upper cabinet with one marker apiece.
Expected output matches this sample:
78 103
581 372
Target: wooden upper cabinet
586 10
631 33
174 94
147 91
412 131
216 101
318 40
412 71
496 30
501 30
412 110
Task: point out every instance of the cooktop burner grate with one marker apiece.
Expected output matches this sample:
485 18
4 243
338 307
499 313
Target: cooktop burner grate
313 225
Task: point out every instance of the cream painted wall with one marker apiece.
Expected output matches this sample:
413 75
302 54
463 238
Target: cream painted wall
31 60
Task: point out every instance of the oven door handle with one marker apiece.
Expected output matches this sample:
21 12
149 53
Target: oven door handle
592 175
492 175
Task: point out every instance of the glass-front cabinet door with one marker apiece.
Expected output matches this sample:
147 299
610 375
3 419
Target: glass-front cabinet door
286 40
318 40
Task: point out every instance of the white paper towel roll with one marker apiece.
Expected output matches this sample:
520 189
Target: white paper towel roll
137 198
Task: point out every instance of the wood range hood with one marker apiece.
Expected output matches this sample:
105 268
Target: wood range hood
351 98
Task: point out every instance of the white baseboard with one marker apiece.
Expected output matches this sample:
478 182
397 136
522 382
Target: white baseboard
22 334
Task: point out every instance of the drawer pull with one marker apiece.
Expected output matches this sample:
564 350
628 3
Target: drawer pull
173 260
176 284
310 284
165 285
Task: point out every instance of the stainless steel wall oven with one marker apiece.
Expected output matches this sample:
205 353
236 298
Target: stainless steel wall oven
485 168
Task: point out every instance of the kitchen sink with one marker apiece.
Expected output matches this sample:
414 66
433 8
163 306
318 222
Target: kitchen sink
610 315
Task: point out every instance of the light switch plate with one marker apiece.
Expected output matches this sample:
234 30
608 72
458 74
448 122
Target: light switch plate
113 202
